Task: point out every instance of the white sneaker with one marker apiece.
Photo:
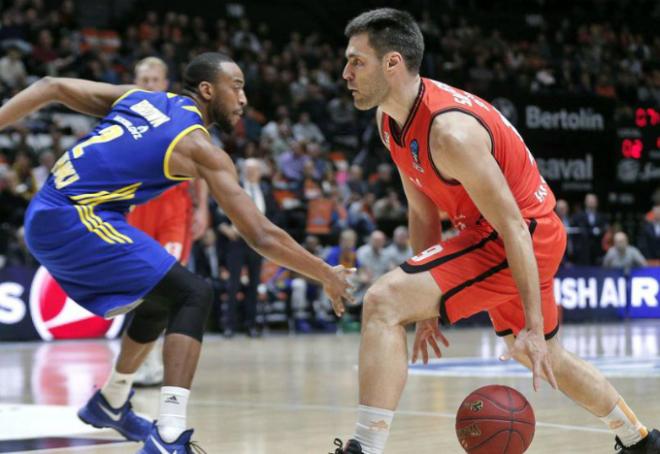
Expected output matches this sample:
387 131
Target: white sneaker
151 372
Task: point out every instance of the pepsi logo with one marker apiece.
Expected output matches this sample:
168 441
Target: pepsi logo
56 316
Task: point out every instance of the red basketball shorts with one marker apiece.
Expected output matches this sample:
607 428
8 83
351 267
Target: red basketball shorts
472 272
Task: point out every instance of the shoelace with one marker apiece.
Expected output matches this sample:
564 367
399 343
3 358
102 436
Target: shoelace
196 448
340 447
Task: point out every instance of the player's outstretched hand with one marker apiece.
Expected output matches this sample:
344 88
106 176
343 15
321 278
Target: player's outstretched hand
427 333
532 343
338 288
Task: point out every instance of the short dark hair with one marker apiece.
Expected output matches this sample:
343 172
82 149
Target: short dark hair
389 30
203 68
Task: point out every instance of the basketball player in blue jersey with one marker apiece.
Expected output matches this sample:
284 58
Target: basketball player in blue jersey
75 226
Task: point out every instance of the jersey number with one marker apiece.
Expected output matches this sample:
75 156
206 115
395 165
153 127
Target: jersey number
64 172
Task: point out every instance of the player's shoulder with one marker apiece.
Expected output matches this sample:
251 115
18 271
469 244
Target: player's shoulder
454 125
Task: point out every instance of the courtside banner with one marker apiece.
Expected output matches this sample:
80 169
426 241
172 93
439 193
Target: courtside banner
644 293
591 293
34 306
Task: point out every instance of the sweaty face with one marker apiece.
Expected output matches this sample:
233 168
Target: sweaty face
364 73
228 98
151 78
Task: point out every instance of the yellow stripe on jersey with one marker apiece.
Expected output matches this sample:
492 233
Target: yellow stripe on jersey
106 227
85 220
193 109
171 95
96 198
170 148
132 90
85 204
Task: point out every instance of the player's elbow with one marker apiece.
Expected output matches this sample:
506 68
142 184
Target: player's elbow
51 86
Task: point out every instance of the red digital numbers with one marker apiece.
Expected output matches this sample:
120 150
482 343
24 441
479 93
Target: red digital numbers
647 117
632 148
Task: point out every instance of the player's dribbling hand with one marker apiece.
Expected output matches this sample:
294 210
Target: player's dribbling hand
338 288
427 333
532 343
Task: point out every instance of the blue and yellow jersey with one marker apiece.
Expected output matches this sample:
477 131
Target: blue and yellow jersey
124 160
76 225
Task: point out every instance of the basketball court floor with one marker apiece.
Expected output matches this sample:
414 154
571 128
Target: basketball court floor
294 394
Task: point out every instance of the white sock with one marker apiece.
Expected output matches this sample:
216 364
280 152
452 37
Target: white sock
117 388
173 406
373 428
623 422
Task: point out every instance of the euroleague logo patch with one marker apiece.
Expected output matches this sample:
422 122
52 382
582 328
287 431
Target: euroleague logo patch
476 406
56 316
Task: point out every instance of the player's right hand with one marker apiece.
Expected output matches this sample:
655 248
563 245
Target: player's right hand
427 333
338 288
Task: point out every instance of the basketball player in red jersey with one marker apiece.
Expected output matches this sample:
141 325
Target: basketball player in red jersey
175 219
457 153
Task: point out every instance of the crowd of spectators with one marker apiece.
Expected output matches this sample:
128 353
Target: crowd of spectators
320 159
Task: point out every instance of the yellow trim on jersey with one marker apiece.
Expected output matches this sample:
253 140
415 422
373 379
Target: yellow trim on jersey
170 148
132 90
193 109
171 95
85 204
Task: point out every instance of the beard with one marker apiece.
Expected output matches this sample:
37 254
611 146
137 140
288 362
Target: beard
223 121
378 91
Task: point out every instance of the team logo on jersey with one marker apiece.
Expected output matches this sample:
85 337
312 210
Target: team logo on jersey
150 113
386 138
56 316
414 151
136 131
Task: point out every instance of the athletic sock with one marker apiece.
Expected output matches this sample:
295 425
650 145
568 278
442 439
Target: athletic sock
373 428
173 406
117 388
623 422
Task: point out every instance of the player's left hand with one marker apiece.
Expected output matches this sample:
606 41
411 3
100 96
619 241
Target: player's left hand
427 333
532 343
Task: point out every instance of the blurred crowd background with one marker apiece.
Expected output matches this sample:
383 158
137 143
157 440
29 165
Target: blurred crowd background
323 173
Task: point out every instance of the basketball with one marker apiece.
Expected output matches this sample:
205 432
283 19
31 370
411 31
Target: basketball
495 419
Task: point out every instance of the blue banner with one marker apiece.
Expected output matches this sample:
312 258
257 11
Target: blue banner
591 293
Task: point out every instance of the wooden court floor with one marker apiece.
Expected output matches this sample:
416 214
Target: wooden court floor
294 394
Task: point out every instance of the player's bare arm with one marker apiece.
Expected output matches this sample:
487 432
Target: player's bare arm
461 150
196 156
84 96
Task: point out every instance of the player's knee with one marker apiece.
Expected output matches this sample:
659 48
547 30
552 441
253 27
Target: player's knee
379 302
149 321
191 311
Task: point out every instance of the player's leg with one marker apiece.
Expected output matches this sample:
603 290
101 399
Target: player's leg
588 387
393 301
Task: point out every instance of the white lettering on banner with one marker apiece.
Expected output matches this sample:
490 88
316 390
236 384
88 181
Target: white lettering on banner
150 113
588 292
567 169
12 307
583 120
644 290
581 293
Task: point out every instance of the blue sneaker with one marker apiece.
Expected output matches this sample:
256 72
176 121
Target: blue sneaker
98 413
182 445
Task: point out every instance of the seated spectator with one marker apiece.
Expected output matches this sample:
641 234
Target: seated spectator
399 251
649 238
292 162
374 262
306 131
622 255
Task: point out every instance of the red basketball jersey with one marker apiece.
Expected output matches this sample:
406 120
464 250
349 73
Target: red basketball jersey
410 151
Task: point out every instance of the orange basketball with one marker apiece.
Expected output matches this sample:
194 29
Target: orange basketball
495 419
